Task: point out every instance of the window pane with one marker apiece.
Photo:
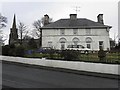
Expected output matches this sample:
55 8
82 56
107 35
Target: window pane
88 45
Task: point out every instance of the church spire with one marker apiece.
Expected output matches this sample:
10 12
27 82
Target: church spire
14 22
13 37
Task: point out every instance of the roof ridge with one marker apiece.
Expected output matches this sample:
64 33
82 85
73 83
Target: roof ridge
69 18
79 22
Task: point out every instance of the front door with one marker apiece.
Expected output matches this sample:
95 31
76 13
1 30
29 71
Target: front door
62 45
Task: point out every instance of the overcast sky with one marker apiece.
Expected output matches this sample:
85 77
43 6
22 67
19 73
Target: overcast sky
28 12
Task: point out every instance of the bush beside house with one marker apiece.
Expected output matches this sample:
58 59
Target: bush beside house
12 50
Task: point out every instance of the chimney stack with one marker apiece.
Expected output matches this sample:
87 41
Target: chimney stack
73 16
100 18
46 19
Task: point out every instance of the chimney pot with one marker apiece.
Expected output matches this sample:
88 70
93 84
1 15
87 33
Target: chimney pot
100 18
73 16
46 19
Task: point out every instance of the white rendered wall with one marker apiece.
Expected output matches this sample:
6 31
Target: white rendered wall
54 36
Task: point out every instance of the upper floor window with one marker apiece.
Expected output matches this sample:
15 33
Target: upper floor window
75 31
62 31
88 31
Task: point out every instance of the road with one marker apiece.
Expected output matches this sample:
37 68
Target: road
19 76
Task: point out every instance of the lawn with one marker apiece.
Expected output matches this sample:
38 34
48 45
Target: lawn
110 57
91 57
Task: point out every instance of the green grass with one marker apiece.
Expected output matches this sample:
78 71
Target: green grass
92 57
89 57
39 55
110 57
35 55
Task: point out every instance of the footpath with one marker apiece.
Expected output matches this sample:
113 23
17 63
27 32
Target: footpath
94 69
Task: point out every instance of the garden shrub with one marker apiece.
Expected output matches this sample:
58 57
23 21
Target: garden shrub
102 55
70 55
8 50
32 44
19 51
5 50
51 53
12 50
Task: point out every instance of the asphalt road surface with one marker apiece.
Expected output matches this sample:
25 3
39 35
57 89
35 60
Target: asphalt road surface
18 76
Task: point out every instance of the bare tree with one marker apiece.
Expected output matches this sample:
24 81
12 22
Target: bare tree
37 27
2 40
22 30
27 37
3 21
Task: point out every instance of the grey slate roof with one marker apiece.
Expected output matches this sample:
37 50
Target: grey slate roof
77 23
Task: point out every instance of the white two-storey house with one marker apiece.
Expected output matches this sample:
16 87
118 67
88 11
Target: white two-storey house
76 31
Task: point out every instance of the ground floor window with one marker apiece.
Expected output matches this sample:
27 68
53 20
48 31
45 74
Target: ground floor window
88 45
75 41
88 42
101 45
62 42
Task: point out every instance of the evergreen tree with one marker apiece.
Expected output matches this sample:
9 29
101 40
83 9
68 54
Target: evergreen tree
32 44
